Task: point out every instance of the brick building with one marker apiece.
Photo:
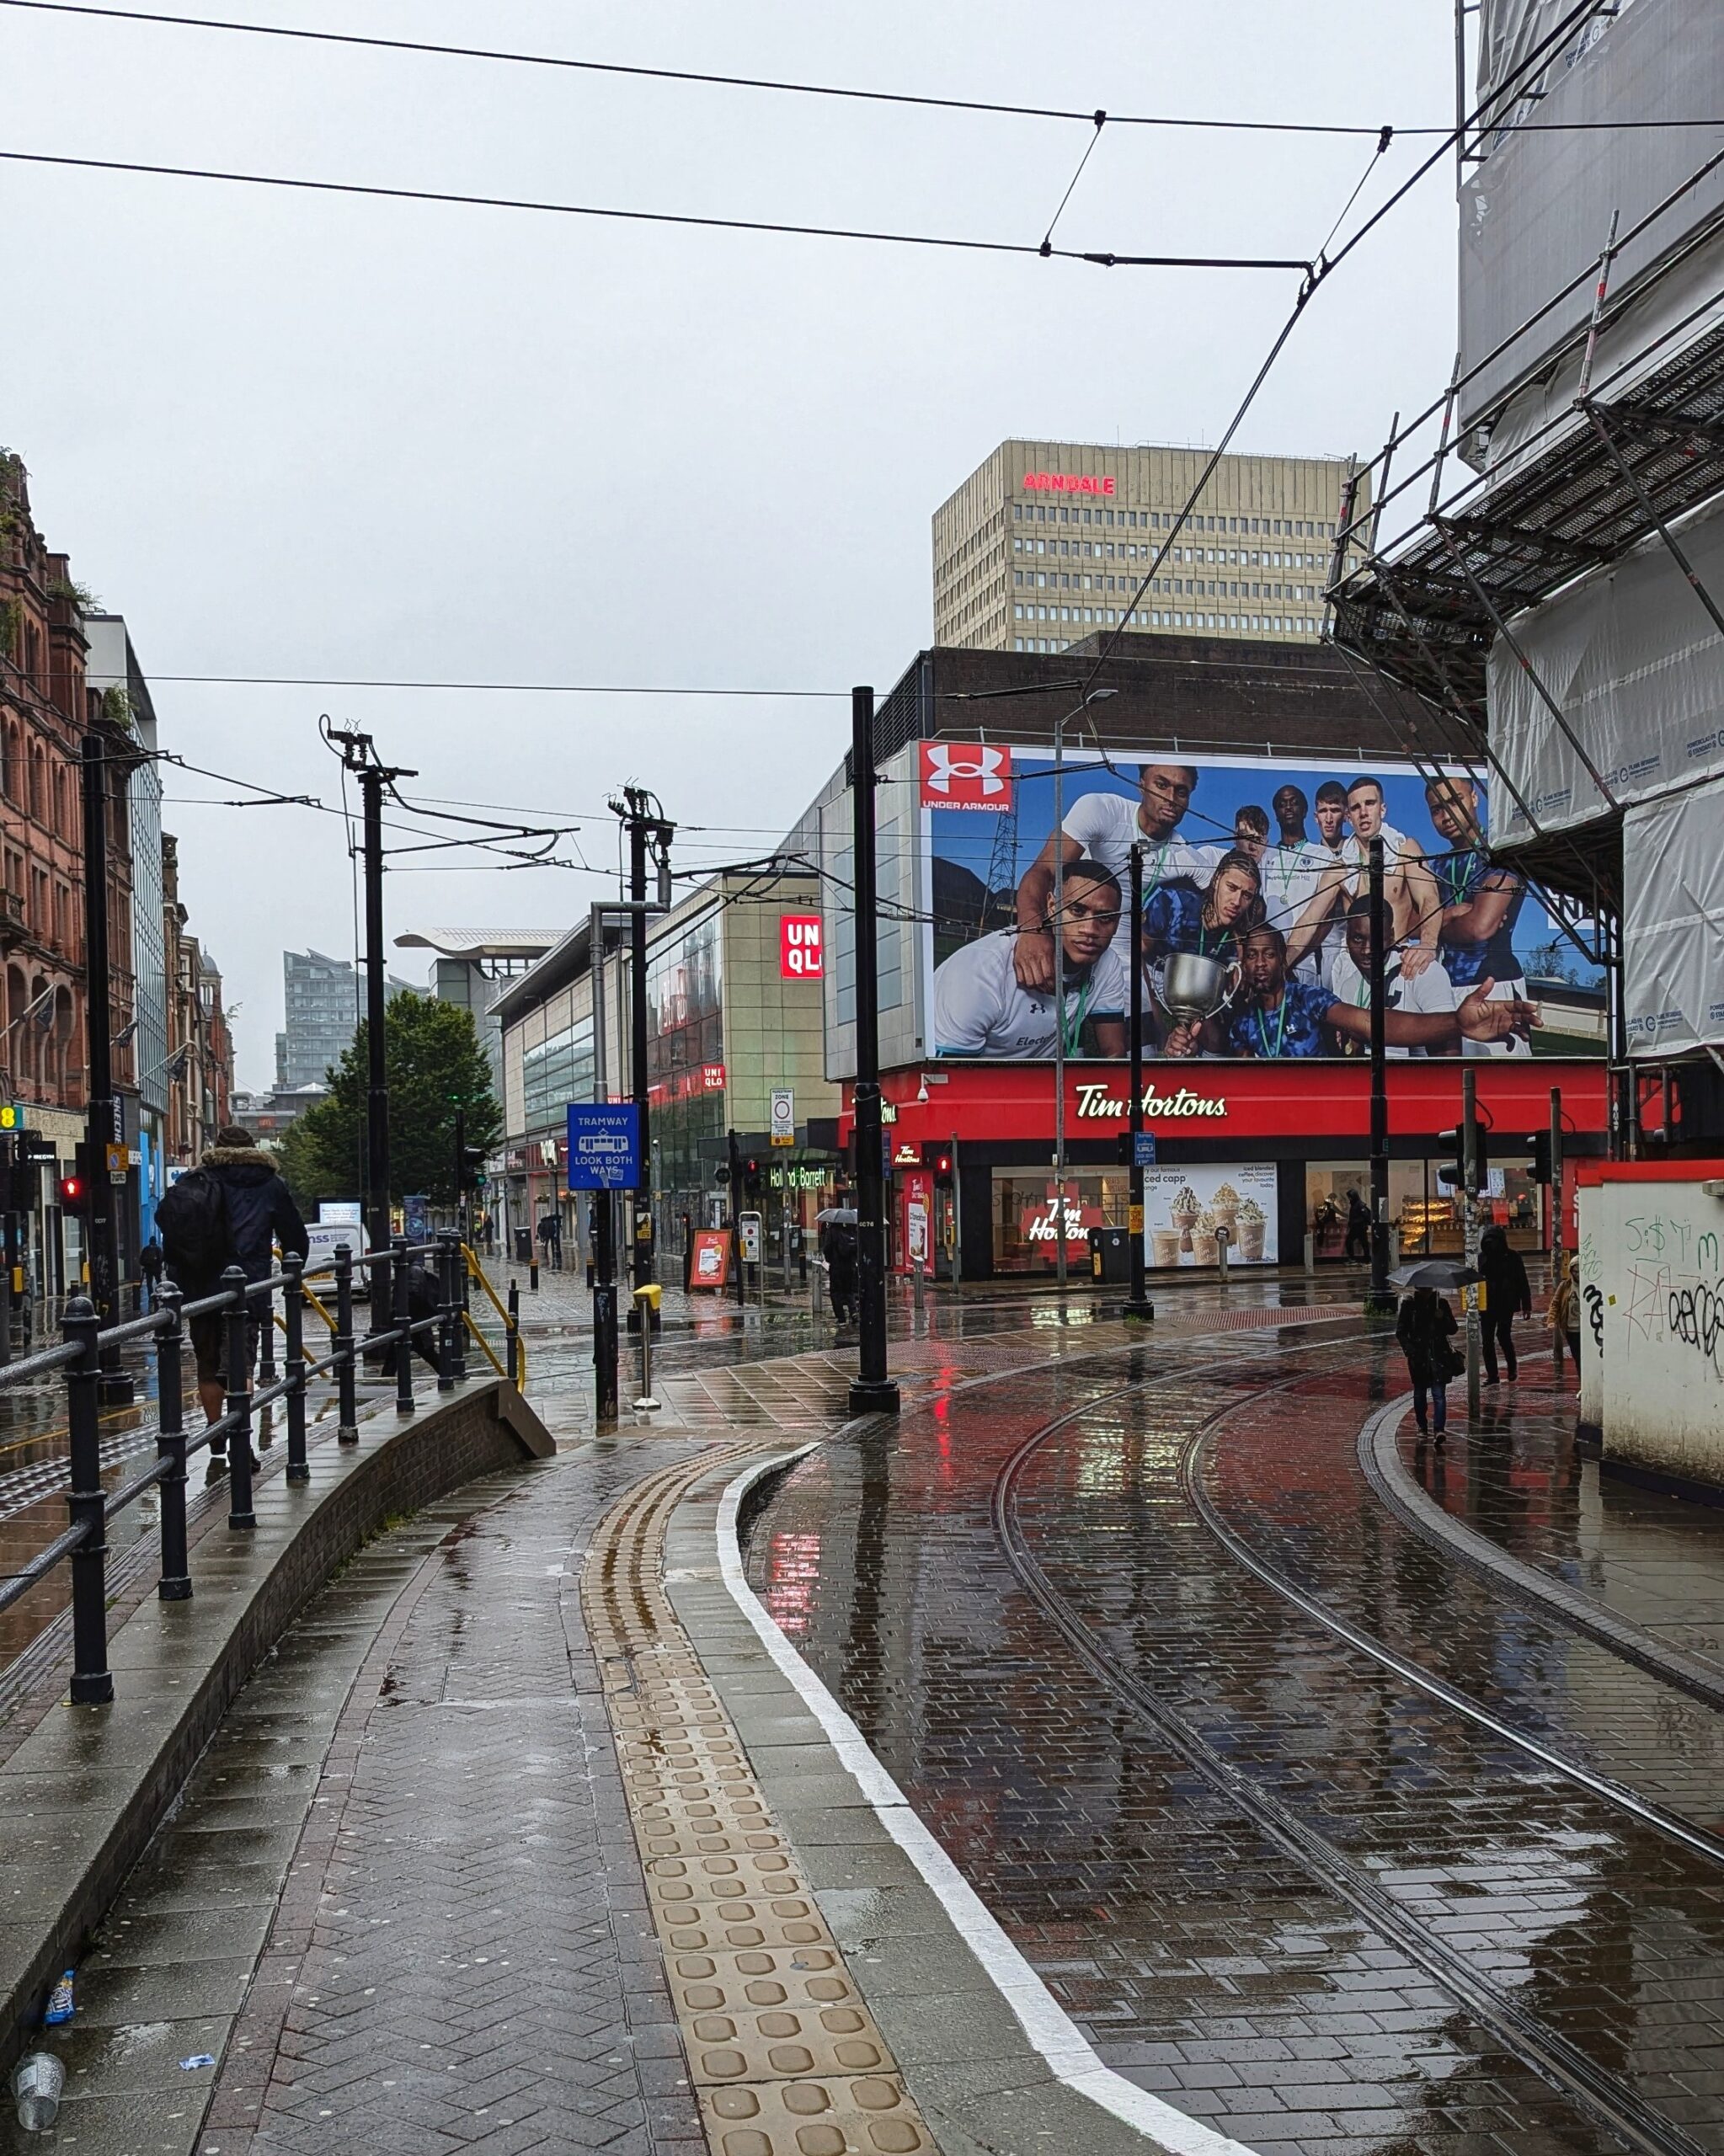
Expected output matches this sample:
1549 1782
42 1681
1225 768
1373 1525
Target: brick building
45 709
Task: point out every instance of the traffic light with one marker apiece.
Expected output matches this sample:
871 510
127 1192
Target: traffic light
937 1158
74 1194
1539 1145
751 1180
1453 1174
473 1167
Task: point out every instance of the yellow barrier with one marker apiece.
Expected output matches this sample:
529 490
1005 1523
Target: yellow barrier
475 1271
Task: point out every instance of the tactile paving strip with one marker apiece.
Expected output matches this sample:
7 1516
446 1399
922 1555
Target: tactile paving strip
784 2057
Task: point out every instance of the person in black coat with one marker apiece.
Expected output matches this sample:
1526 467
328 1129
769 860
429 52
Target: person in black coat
1508 1294
260 1214
1423 1326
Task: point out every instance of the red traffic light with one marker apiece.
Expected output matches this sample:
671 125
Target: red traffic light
942 1164
71 1192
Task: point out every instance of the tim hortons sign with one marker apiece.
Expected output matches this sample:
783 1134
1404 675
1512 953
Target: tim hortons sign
1095 1103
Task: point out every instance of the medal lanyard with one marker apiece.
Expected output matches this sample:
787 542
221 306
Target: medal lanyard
1459 881
1280 1027
1083 1005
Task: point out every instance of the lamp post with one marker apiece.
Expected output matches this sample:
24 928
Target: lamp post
1137 1303
874 1392
1379 1302
1093 697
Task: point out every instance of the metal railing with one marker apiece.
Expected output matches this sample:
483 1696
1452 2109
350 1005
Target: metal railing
86 1346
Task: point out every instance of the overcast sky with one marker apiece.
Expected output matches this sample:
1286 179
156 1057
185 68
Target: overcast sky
292 435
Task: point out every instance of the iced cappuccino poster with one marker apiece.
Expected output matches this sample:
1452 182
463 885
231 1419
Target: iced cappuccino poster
1186 1212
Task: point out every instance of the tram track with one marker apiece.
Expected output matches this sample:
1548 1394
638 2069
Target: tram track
1597 2094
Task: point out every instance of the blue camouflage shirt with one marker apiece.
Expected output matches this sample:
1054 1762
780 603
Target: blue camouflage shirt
1294 1028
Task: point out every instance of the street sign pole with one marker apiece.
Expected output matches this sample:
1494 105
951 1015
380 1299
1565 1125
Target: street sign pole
1470 1214
604 1157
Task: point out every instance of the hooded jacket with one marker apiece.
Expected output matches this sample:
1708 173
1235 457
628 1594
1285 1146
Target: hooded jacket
1506 1285
260 1211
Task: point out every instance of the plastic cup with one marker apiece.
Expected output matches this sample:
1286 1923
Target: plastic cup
1251 1241
1204 1247
1164 1245
36 2086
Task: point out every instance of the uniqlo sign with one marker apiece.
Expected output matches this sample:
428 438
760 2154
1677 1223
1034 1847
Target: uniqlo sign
800 948
966 775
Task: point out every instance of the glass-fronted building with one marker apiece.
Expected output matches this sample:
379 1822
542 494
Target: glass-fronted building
733 1014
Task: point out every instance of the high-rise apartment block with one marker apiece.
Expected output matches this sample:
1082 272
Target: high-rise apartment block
1047 542
324 997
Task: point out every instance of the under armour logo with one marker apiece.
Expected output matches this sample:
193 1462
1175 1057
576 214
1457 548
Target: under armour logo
965 775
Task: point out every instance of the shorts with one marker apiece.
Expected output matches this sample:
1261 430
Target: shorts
209 1341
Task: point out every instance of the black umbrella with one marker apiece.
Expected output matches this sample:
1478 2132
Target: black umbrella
1436 1272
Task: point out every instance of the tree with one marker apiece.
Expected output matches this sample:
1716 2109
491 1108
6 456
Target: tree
434 1064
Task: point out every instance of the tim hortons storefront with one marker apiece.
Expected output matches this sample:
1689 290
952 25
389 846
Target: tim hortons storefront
1269 1151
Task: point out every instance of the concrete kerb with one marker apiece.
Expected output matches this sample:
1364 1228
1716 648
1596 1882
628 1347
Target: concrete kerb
179 1665
910 1925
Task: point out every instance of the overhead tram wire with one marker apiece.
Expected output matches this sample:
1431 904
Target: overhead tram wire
1324 268
986 107
1098 258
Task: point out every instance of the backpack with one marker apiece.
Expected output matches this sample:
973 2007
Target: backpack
191 1221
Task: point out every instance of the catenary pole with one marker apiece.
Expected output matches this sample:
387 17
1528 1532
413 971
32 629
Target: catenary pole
1137 1303
873 1391
638 828
1470 1202
103 1126
1378 1302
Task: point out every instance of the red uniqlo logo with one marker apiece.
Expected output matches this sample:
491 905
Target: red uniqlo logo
966 775
801 950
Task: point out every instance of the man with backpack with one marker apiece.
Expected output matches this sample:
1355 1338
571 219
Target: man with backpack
231 1209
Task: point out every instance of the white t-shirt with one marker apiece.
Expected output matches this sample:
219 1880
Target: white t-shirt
981 1008
1106 826
1291 875
1429 994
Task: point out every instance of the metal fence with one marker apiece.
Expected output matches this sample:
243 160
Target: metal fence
245 1308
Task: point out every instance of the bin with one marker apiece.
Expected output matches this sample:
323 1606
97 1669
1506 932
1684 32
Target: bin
523 1245
1110 1256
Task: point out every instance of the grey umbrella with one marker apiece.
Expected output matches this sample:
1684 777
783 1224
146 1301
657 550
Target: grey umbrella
844 1215
1435 1273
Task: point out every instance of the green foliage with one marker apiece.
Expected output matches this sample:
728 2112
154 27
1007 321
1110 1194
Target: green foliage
116 705
434 1064
1555 961
11 625
79 595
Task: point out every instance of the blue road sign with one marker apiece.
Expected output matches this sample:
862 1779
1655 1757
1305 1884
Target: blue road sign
604 1147
1143 1150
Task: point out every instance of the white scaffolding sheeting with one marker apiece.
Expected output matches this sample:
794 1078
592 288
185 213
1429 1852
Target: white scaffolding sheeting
1637 671
1672 922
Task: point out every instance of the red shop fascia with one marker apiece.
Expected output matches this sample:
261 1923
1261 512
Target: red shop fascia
1001 1115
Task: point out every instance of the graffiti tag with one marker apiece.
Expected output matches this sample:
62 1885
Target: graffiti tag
1696 1316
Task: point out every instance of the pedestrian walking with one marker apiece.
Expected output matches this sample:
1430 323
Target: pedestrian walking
1508 1295
838 1248
1564 1311
550 1238
1359 1229
231 1209
1422 1325
149 1266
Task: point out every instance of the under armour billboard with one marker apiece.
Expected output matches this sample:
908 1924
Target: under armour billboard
1256 936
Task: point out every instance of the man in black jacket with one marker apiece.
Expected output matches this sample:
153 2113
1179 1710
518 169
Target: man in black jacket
1508 1295
260 1214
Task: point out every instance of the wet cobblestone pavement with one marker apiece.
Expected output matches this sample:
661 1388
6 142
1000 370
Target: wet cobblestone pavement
1272 1875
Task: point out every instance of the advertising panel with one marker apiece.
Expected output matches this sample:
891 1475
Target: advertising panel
1187 1209
1256 939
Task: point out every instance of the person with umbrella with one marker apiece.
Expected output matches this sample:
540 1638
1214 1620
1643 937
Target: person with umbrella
837 1227
1423 1325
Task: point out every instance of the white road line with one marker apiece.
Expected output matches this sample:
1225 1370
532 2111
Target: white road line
1052 2031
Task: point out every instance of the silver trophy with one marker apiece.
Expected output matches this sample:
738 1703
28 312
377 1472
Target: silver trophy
1194 988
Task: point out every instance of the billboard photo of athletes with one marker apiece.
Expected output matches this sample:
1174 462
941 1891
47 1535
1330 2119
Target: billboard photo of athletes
1255 920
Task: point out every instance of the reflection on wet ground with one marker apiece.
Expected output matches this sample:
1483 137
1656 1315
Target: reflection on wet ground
1272 1878
1516 1479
